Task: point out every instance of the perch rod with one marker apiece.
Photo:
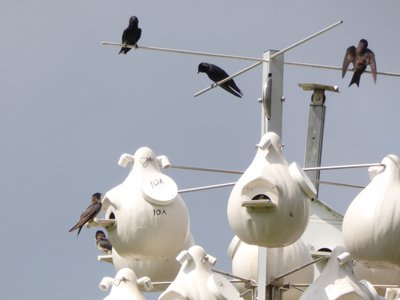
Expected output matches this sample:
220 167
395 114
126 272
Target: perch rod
222 185
239 57
339 167
208 187
272 56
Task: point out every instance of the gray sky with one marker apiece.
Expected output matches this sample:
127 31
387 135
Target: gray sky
70 107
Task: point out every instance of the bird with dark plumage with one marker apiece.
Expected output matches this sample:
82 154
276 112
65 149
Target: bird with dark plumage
360 57
216 74
131 34
89 214
102 243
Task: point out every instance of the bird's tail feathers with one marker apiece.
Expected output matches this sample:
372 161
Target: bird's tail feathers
238 93
124 50
355 79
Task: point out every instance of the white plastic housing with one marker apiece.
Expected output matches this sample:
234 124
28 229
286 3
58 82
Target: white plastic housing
338 282
285 191
245 264
152 221
371 225
125 286
159 270
195 280
377 276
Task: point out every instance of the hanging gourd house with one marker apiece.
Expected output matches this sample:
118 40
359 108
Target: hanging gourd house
371 225
196 280
151 219
269 205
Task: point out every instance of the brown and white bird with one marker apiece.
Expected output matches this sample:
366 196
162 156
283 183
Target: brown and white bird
360 57
89 214
102 243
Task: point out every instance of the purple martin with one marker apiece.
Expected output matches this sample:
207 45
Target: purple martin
360 57
131 35
102 243
91 211
216 74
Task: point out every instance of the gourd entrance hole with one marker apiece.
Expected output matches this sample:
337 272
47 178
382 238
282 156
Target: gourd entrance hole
325 250
261 197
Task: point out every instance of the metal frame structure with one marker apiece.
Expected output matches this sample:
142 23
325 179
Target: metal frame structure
270 285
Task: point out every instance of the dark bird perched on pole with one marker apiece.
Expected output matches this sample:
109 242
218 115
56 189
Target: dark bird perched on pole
131 35
216 74
89 214
360 57
102 243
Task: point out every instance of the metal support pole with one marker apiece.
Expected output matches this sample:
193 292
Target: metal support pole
315 134
272 106
270 262
262 273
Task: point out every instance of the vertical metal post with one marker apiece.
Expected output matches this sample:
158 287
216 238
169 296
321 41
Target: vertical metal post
272 120
262 273
315 134
271 117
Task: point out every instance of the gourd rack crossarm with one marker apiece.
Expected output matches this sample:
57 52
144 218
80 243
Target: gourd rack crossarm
222 185
258 61
237 57
324 168
228 184
299 268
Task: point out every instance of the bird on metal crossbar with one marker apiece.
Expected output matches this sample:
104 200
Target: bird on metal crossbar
216 74
131 35
360 57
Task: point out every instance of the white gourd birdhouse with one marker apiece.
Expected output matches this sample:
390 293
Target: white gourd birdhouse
377 276
245 264
371 225
269 205
338 282
125 286
151 219
195 279
159 270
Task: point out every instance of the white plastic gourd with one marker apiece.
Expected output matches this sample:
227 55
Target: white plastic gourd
195 279
159 270
245 264
371 225
152 221
377 276
269 205
338 282
125 286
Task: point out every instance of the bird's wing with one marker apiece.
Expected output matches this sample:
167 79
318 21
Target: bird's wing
234 87
229 89
91 211
138 34
370 57
349 57
105 243
216 73
124 36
